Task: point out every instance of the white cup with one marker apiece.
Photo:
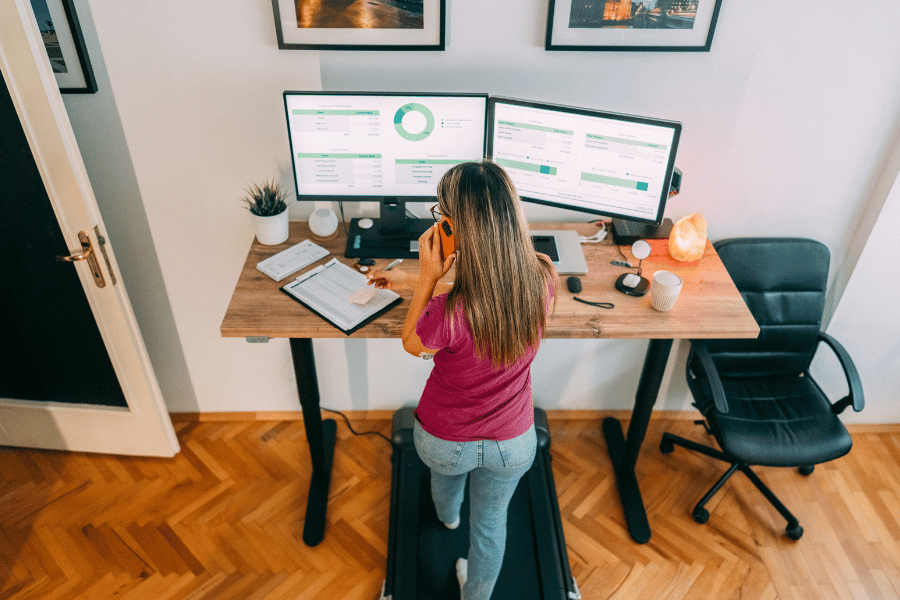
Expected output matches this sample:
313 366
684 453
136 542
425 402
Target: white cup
665 289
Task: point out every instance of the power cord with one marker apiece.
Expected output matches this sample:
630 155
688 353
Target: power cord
622 254
597 304
343 218
353 431
597 237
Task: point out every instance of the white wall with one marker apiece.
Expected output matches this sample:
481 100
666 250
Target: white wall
787 124
865 320
188 113
98 129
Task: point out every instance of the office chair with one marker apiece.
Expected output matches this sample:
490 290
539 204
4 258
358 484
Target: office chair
757 396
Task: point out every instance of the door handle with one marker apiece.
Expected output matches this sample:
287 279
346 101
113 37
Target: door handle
75 257
87 253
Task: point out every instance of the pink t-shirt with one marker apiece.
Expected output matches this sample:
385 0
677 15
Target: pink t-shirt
465 398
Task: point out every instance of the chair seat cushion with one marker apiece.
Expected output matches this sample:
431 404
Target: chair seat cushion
779 422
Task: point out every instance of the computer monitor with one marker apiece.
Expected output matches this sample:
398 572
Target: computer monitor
390 148
602 163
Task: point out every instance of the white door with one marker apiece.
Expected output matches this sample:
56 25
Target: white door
77 375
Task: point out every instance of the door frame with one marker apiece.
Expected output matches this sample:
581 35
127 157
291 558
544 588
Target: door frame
144 427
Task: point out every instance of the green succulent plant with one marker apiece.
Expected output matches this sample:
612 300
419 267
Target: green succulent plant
266 200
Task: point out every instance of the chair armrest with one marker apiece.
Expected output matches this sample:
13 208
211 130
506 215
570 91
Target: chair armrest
855 396
712 374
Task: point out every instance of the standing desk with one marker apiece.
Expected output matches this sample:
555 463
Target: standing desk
709 307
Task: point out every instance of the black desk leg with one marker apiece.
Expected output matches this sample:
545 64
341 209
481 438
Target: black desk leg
624 453
320 436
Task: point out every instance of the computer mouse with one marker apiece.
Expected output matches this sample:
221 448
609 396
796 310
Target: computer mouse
631 280
365 223
574 284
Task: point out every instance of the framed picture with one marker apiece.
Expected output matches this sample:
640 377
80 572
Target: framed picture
360 24
58 24
632 25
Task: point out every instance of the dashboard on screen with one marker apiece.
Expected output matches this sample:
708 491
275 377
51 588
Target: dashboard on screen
355 145
592 161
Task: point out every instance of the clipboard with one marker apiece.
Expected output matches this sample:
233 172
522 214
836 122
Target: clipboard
324 291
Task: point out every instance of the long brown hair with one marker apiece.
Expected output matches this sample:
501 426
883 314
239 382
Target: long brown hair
500 279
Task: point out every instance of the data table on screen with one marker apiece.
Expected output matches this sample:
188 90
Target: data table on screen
390 145
584 161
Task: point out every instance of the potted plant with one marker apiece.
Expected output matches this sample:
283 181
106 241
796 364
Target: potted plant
268 205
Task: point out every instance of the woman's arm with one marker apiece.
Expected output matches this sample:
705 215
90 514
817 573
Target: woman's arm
399 281
428 285
431 269
411 341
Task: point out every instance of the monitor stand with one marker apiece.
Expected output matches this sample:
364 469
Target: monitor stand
626 233
392 235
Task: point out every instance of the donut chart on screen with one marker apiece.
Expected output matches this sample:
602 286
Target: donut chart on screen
419 108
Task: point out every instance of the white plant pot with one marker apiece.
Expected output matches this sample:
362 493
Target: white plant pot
272 230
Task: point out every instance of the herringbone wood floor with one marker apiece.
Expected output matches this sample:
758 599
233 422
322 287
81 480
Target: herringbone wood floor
223 520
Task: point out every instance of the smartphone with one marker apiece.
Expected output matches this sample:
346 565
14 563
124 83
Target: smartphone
445 230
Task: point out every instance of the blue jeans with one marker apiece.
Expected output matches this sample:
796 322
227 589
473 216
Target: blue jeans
496 468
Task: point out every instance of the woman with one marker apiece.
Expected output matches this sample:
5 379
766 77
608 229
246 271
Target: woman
483 330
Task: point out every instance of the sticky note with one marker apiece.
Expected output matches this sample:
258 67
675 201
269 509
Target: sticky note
361 296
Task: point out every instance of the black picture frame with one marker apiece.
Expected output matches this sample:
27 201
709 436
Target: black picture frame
430 36
58 23
668 27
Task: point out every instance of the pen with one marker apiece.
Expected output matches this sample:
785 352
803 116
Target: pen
393 264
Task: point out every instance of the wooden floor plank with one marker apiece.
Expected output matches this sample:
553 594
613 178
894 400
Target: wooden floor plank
224 519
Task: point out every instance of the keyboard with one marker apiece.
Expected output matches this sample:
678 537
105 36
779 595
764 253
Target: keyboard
292 260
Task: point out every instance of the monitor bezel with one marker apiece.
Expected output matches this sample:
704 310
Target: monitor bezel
380 198
670 167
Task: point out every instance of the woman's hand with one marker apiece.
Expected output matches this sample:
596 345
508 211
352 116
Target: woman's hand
394 279
431 267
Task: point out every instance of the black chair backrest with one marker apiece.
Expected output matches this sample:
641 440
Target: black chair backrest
783 282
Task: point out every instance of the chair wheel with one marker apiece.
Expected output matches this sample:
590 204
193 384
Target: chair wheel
806 470
795 532
701 515
666 446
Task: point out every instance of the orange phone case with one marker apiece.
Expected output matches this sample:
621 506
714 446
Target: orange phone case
445 230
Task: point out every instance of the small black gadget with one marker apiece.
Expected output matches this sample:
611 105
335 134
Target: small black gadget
574 285
546 244
633 284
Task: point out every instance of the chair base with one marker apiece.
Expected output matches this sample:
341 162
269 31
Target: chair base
700 514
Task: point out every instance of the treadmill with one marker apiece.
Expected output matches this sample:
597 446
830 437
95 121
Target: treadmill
422 552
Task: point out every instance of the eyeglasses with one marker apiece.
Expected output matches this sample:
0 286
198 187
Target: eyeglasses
436 213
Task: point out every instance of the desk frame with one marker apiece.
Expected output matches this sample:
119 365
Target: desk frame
320 435
723 314
623 452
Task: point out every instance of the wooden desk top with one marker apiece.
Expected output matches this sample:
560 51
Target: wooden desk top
709 305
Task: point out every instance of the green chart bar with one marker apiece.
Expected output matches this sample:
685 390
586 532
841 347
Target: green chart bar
515 164
635 185
607 138
437 161
335 155
535 127
336 112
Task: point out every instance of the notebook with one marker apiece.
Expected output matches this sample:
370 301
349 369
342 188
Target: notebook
329 291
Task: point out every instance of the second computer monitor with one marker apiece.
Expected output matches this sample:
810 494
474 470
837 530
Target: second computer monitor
597 162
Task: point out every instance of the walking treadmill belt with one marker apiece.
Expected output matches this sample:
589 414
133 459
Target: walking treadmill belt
422 553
